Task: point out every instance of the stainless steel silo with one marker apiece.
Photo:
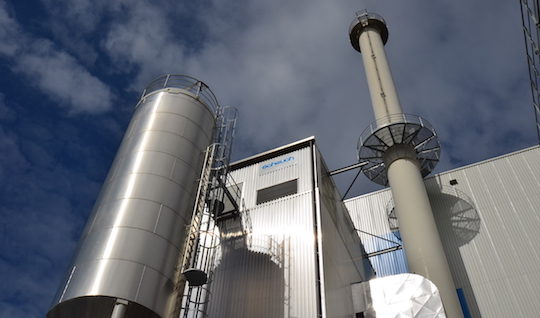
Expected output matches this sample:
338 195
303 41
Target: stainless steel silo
127 257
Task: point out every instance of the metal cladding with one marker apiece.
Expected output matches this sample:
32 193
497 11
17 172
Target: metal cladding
487 217
131 244
300 256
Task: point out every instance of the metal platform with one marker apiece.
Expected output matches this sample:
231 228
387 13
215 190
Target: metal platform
197 88
365 19
401 129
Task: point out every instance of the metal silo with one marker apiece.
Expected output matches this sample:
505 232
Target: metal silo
128 255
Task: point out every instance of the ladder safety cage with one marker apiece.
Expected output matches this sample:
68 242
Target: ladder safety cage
201 250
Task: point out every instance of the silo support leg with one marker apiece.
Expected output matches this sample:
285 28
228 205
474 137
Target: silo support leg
119 308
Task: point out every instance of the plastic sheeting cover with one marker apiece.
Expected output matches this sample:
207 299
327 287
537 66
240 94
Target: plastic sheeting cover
403 295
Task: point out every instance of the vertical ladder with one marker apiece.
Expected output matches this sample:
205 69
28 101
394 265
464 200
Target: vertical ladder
200 204
193 229
210 194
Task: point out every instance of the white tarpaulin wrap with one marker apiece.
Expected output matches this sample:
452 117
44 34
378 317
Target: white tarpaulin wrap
403 295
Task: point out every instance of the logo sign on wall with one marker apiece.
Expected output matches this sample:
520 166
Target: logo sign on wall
277 163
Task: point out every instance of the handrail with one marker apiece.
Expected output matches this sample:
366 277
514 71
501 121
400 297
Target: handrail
391 120
185 82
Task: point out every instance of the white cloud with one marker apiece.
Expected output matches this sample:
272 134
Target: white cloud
6 113
52 70
12 156
63 78
288 67
9 32
292 73
145 41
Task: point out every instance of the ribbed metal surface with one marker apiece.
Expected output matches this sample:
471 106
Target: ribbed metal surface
342 250
277 274
257 177
490 236
132 241
375 233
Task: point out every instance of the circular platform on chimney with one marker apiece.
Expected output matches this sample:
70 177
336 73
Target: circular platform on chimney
399 129
363 20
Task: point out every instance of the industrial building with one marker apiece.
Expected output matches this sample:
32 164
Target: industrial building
179 231
302 253
487 215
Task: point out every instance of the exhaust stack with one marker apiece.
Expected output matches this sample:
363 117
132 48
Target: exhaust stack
402 149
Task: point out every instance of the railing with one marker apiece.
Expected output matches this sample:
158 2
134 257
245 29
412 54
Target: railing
398 129
392 120
224 136
530 14
187 83
364 15
211 201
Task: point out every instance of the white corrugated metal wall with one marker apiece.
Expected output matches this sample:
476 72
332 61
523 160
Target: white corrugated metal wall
342 251
287 223
489 223
375 232
280 274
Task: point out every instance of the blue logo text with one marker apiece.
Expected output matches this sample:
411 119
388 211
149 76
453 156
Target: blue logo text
277 163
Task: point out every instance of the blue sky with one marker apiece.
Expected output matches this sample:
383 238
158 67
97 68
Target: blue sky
71 72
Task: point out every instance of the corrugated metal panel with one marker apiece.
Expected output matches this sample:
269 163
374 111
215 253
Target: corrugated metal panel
501 262
254 178
342 252
339 268
277 274
489 224
369 216
248 281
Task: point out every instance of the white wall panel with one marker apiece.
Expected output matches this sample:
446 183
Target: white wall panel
342 252
489 223
254 179
281 263
281 250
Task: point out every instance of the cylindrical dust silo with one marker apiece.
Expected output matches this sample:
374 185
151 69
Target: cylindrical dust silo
127 258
